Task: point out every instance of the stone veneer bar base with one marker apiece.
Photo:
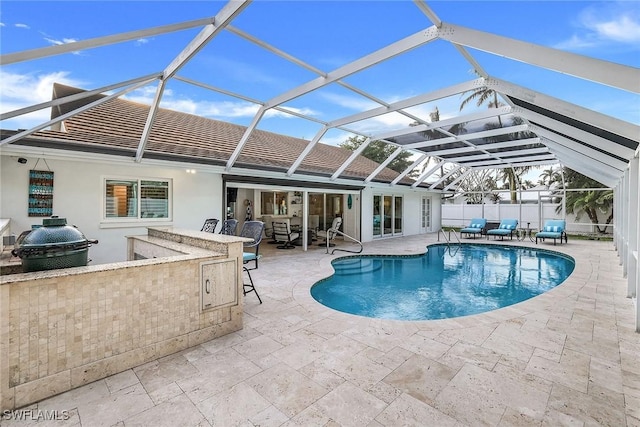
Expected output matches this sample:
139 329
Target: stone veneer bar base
61 329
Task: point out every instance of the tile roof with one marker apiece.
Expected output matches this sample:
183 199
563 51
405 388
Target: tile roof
119 124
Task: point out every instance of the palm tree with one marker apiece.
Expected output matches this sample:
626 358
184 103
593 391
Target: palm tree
550 176
495 198
526 184
511 177
483 95
589 201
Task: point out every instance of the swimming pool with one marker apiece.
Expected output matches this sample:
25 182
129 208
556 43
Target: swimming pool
442 283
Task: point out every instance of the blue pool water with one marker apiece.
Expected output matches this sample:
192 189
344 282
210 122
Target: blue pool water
442 283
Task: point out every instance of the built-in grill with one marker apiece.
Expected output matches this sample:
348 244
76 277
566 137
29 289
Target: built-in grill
54 245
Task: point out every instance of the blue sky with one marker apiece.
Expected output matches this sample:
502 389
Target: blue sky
325 35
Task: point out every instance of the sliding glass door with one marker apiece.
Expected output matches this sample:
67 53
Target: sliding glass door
387 215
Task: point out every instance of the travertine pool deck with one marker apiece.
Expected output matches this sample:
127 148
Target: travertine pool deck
568 357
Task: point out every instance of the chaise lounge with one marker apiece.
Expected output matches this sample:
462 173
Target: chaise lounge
553 229
476 226
506 228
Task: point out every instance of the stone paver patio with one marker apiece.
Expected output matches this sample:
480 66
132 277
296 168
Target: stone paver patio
568 357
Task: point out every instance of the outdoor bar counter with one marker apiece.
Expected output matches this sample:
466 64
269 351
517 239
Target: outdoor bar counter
61 329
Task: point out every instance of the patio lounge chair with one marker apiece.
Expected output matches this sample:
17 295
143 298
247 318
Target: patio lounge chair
476 226
282 234
252 230
506 228
553 229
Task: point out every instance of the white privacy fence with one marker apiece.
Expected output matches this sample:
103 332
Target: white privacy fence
534 207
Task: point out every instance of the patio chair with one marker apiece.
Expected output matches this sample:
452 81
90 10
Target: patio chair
553 229
282 234
252 230
229 227
476 226
331 234
210 225
506 228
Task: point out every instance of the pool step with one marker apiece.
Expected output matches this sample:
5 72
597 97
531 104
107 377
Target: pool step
357 266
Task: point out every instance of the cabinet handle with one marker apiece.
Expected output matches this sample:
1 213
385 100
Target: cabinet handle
207 286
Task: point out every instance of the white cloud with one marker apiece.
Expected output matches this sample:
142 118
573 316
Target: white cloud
25 26
28 89
600 25
577 43
336 139
23 90
351 102
141 42
624 29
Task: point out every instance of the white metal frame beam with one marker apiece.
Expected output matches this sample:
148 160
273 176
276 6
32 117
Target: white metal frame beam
28 55
259 102
394 49
500 155
596 70
221 20
458 179
467 136
408 170
444 178
503 163
428 173
384 164
567 109
586 137
296 164
409 102
553 140
489 112
354 155
311 68
586 165
486 147
397 106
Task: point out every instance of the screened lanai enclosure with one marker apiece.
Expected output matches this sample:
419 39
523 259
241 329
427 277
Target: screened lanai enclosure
401 83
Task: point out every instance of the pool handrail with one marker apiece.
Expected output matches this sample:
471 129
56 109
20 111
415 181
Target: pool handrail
448 239
333 230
